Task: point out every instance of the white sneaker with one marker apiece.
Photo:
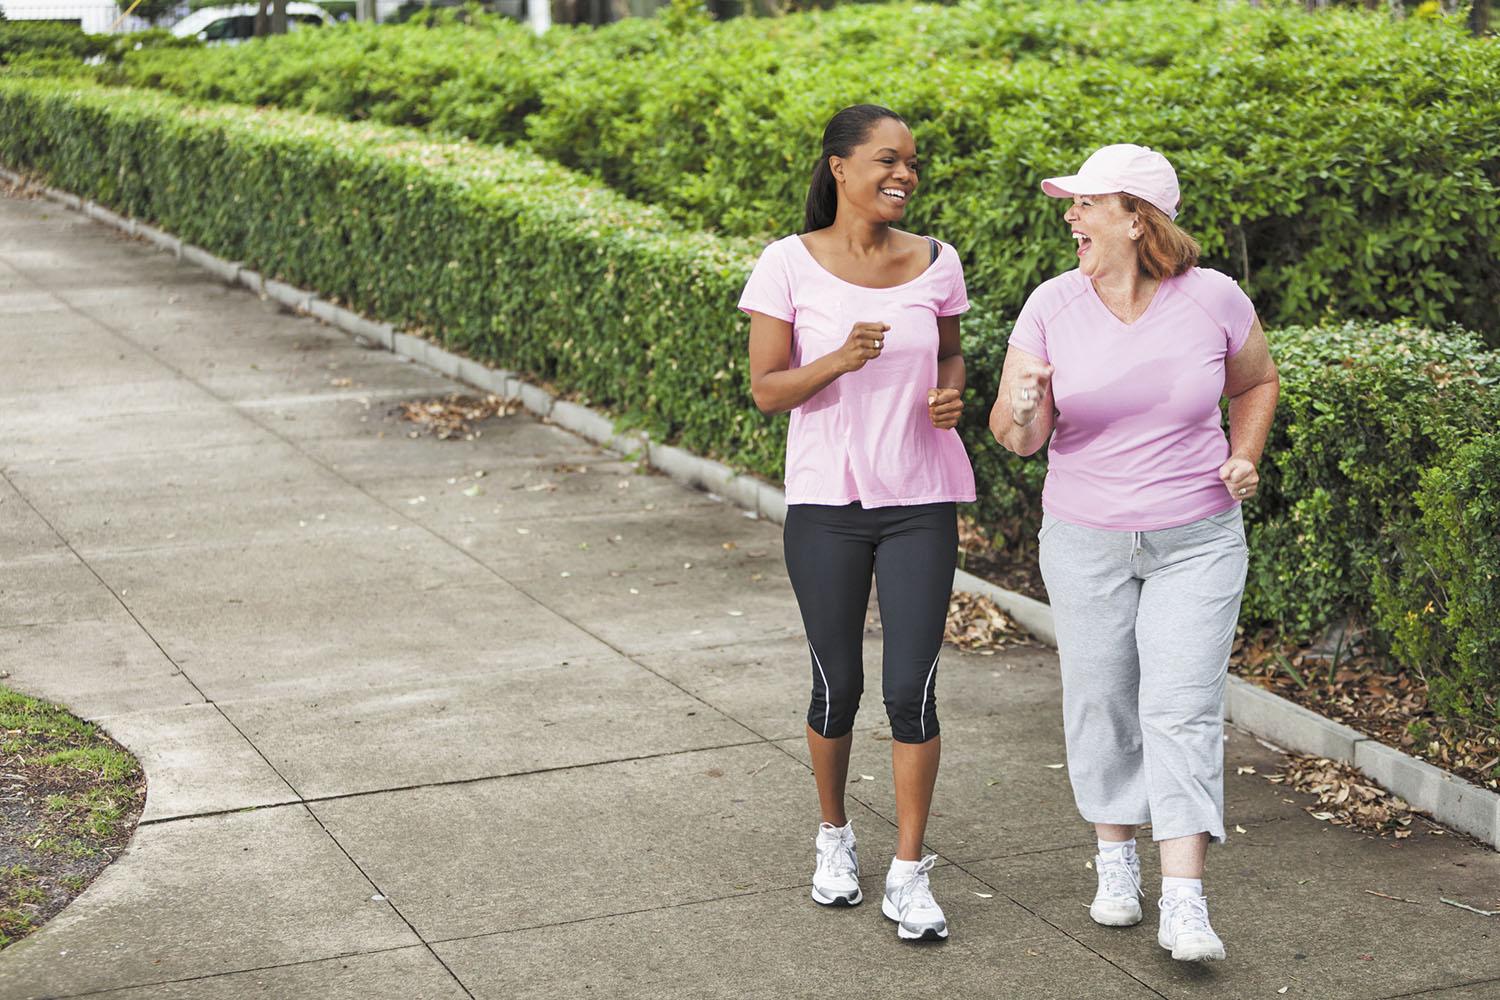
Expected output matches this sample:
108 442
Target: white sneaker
909 902
836 872
1184 929
1117 903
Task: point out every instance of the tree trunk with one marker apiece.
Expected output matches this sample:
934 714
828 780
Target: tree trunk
262 19
278 17
1479 18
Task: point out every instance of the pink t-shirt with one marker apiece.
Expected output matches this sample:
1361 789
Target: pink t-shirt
1139 437
866 436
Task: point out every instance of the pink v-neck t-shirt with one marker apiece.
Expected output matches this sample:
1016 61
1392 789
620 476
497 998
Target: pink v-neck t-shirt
1139 437
866 436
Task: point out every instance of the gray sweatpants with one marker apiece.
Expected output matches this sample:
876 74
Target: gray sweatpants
1145 621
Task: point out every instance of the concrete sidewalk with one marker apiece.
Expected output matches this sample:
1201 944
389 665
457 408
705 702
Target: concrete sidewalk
414 732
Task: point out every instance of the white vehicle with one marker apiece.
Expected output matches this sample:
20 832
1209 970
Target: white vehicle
230 25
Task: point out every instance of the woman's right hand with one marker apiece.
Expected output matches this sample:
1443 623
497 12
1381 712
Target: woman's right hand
866 340
1027 393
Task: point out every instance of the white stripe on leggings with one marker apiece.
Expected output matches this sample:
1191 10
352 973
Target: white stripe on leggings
827 695
925 688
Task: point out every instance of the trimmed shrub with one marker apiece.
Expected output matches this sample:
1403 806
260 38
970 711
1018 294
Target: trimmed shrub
511 258
1338 165
1365 409
494 252
1442 603
45 40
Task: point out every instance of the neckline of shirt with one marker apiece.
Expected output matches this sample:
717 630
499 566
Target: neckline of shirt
1098 299
932 266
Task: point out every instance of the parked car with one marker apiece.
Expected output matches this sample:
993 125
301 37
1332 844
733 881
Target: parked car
231 25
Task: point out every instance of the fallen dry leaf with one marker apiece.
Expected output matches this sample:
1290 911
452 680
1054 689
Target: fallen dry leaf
1348 681
454 416
976 623
1345 796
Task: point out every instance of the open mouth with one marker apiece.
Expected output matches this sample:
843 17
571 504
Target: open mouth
896 195
1084 242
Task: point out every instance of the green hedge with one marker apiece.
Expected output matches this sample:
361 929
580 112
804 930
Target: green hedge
1442 601
496 253
1365 409
49 39
507 257
1339 165
54 48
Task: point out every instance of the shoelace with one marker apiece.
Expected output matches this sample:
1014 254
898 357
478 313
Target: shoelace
1118 875
1188 913
917 890
839 859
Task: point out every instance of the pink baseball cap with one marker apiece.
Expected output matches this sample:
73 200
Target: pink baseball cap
1123 169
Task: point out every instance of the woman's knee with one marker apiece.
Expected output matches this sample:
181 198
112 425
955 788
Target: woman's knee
833 707
911 707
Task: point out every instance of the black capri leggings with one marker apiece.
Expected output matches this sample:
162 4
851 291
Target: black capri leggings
830 553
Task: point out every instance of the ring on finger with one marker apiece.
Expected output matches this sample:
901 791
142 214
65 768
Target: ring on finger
1243 490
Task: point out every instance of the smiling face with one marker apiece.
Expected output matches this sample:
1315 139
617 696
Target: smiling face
1106 234
879 176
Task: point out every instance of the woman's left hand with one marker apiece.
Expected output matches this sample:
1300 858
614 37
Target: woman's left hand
1240 478
944 407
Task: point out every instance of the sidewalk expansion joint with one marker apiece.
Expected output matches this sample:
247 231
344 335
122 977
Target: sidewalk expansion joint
233 972
146 632
1088 845
312 800
1427 991
999 891
677 905
388 901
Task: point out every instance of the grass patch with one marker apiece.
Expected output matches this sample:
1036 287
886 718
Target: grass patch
71 799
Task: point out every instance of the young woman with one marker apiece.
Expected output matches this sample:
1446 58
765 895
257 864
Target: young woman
854 330
1122 364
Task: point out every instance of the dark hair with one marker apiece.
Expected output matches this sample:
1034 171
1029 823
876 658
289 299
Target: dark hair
844 131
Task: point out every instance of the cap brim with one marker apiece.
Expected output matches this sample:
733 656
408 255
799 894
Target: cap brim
1067 187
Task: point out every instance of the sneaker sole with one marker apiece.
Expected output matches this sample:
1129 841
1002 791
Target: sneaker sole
851 900
1199 952
926 934
1111 917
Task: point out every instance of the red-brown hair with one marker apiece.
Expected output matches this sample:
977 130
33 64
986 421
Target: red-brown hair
1165 248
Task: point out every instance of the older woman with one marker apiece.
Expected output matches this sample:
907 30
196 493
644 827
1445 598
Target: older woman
1122 364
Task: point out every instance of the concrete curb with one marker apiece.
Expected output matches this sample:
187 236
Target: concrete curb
1451 801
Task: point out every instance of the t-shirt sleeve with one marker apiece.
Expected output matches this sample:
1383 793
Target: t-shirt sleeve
1028 333
769 289
1231 308
957 301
